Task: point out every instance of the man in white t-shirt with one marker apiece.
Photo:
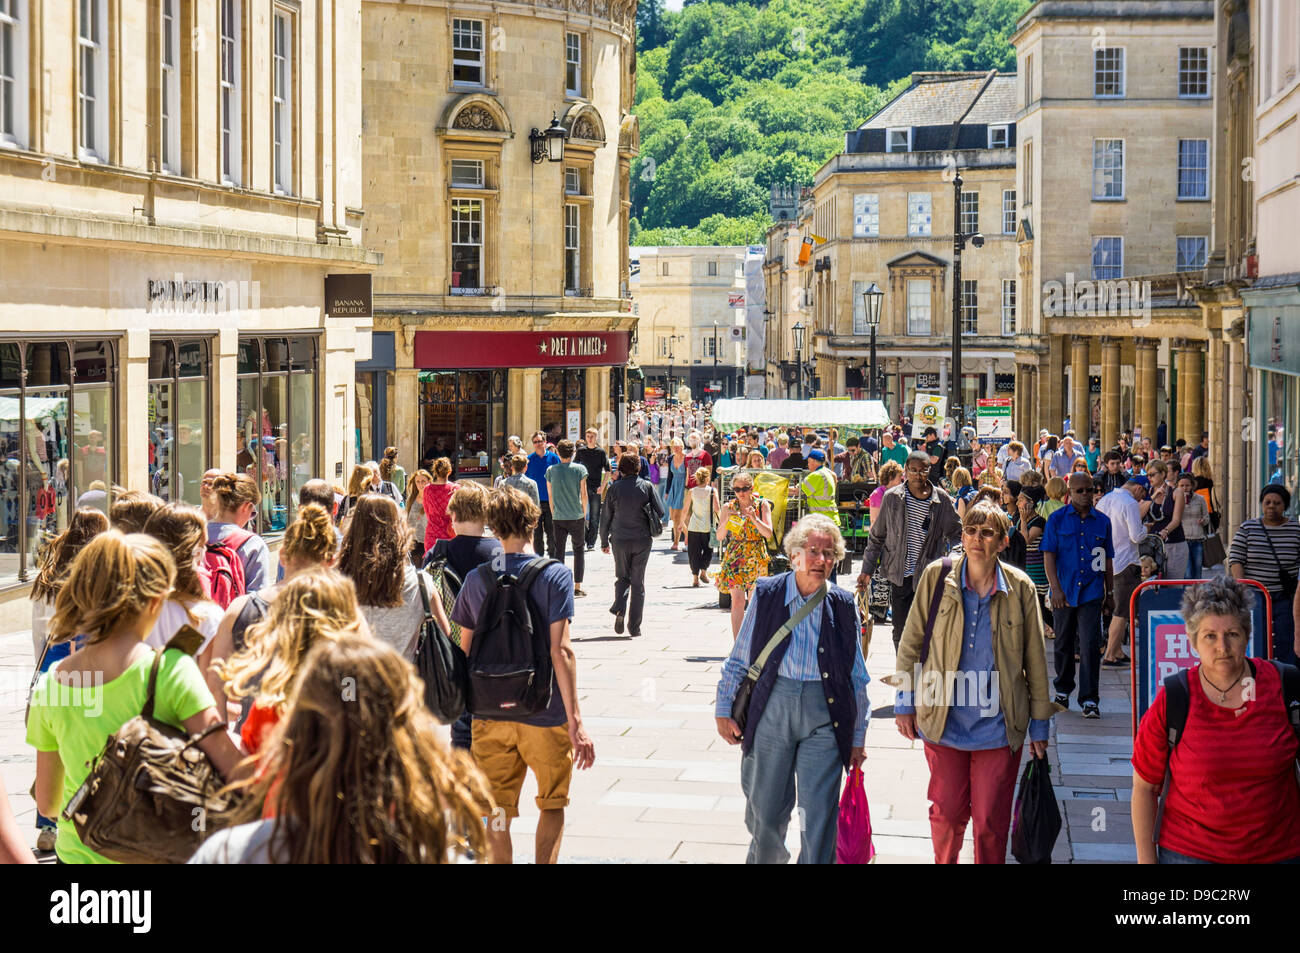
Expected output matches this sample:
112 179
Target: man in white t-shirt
1122 507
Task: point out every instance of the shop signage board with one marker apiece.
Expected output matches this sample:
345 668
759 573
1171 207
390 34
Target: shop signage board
1159 636
736 300
573 424
993 419
347 296
929 412
492 349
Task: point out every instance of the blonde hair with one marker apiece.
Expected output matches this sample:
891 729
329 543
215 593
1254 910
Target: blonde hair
703 476
888 470
1055 488
310 537
468 504
233 490
360 480
113 580
315 605
360 776
511 513
960 476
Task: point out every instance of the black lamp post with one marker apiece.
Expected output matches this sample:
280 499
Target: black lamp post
798 331
715 353
959 240
672 341
872 299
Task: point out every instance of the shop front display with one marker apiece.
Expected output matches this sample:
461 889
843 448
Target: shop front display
463 418
179 441
466 392
57 440
275 442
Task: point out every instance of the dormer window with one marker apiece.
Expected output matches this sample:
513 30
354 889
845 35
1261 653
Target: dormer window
999 137
899 139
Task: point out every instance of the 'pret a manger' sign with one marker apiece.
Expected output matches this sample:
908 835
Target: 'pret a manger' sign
573 345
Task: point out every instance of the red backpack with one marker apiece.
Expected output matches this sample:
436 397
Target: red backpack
225 569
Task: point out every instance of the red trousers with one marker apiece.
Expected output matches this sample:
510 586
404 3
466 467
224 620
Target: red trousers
971 785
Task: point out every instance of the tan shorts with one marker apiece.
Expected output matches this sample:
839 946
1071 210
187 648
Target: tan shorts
504 750
1125 582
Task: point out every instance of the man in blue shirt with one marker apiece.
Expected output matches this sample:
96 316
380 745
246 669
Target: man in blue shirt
539 461
1077 548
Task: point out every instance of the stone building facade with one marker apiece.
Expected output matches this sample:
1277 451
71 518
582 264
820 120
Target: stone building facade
1114 124
504 286
179 180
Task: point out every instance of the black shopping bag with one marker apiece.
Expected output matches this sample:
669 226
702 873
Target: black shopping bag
1037 819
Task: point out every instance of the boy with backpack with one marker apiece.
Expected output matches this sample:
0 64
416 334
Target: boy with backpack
514 615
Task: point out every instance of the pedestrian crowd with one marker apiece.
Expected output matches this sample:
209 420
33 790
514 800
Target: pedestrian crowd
977 558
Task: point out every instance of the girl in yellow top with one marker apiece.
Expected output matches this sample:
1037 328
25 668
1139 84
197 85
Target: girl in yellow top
114 595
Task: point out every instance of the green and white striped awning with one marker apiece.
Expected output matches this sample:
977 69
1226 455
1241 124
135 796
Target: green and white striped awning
851 414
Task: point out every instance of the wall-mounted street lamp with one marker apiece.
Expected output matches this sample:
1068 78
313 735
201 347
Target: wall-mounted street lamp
798 332
872 299
549 145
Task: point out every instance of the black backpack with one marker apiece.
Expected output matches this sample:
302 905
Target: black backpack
510 671
1178 701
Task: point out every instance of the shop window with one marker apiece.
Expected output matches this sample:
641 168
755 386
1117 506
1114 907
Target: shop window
231 92
179 440
463 418
563 393
276 412
282 102
57 410
13 73
169 87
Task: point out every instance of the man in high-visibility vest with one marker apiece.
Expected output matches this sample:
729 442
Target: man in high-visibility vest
819 490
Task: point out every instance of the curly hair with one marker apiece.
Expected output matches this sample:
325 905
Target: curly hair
376 551
355 765
1217 597
311 606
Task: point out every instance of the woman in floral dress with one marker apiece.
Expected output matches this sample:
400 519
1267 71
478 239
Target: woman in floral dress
744 526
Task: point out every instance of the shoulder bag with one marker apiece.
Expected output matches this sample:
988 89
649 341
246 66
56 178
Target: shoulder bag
653 517
1288 577
152 796
933 614
740 703
441 665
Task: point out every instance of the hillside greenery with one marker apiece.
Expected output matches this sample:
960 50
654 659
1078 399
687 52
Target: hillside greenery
734 97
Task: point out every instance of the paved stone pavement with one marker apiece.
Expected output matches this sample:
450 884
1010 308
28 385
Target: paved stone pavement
666 788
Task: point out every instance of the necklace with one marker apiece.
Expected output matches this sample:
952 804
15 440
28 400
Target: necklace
1223 692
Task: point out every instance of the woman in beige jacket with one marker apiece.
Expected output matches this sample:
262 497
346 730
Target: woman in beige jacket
977 688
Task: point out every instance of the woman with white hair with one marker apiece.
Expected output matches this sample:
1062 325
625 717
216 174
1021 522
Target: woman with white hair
1228 777
805 718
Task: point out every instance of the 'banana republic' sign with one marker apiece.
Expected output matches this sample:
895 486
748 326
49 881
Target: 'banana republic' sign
347 296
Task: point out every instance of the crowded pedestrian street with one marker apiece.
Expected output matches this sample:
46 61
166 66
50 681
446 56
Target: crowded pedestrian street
666 789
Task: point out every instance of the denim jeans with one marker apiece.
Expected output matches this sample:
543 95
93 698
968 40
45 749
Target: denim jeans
794 757
1283 629
1195 553
594 503
54 654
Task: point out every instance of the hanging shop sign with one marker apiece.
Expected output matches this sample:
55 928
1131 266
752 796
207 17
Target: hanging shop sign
489 349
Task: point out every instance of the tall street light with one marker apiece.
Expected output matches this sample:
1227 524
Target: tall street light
872 299
715 354
672 340
798 331
959 240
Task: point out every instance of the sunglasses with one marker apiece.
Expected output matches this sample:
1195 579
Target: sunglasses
986 533
743 489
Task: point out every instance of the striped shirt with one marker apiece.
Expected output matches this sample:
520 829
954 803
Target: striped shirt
1250 548
918 512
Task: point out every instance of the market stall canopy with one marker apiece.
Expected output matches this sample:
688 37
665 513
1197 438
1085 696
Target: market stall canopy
853 414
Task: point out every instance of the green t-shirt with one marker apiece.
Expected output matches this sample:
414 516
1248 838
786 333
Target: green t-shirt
566 481
897 452
77 722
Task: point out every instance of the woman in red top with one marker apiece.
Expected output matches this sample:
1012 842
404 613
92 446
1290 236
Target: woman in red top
436 497
1233 796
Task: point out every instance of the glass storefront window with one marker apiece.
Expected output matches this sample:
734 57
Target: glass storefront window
563 392
463 419
57 411
365 414
1281 450
276 411
178 416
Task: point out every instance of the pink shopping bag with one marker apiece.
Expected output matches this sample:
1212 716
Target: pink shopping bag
853 843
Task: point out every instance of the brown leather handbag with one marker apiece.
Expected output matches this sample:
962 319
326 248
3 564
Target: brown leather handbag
152 796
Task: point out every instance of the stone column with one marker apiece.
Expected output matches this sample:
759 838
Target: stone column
1215 390
1079 386
1026 395
1193 394
1145 385
1109 390
404 402
1178 367
1240 437
943 375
